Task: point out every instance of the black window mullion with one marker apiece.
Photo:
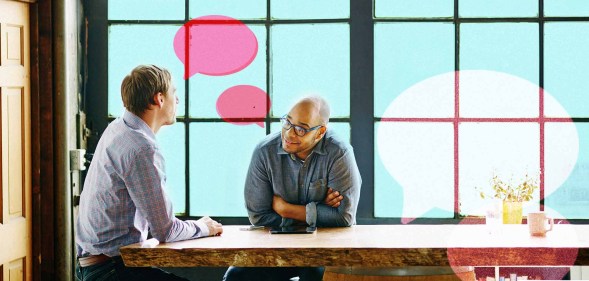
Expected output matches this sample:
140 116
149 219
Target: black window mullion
541 97
456 110
95 95
269 92
186 122
362 100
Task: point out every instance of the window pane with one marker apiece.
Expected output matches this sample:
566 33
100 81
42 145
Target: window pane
146 9
218 167
342 130
494 94
566 8
414 8
498 8
388 193
404 58
506 47
242 9
566 65
508 149
418 160
132 45
310 9
171 140
205 90
567 169
311 59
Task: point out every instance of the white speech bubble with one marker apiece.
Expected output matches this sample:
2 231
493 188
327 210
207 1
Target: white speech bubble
419 154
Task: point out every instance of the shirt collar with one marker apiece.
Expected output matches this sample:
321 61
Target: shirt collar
136 123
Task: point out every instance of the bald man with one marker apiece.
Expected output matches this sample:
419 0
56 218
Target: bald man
303 175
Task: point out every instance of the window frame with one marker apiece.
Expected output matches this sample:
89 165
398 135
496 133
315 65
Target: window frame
361 119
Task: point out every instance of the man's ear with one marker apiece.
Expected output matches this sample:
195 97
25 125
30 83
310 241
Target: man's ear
158 99
322 132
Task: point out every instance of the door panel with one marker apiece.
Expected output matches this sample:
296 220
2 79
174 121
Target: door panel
15 143
14 44
16 270
12 98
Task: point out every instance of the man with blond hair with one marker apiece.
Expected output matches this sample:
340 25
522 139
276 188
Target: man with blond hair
124 192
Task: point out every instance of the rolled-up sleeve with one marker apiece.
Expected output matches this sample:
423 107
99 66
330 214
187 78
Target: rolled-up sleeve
258 193
344 177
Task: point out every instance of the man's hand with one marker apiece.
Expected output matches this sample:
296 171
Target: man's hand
215 228
333 198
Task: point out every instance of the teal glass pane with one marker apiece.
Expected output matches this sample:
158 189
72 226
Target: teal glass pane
172 140
505 47
388 193
242 9
566 8
508 150
566 64
403 56
570 199
498 8
146 9
309 9
132 45
220 155
414 8
310 59
341 129
414 170
205 90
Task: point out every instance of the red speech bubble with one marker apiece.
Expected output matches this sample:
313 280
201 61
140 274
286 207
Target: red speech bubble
242 103
218 45
519 251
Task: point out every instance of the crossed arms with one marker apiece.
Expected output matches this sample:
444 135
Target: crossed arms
337 206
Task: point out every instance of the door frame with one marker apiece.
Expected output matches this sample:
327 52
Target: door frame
42 140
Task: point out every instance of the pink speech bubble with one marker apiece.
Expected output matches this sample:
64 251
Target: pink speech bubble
242 102
519 248
218 45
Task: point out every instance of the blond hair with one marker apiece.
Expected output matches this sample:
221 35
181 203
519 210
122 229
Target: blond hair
142 84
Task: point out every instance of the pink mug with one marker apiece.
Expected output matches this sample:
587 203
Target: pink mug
538 223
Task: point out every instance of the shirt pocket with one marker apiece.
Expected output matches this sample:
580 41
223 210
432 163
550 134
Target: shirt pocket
317 190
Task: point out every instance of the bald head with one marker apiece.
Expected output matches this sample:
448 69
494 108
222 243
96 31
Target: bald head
316 107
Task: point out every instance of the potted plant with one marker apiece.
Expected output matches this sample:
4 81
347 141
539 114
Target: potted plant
512 195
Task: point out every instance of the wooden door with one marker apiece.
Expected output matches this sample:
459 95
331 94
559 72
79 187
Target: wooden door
15 177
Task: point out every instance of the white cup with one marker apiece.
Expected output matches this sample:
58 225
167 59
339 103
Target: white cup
539 224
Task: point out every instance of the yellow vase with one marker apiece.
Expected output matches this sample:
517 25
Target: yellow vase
512 212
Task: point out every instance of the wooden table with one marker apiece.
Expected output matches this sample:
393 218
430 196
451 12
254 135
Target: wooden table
373 246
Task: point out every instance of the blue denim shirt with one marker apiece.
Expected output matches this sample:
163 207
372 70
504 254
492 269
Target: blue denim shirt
273 171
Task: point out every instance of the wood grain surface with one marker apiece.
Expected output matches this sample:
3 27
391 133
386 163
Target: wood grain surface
372 245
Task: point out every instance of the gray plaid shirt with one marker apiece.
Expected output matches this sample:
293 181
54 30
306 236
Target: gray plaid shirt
124 193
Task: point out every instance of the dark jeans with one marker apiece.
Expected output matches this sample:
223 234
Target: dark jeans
115 270
273 273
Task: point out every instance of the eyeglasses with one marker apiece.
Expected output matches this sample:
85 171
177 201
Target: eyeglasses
299 131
